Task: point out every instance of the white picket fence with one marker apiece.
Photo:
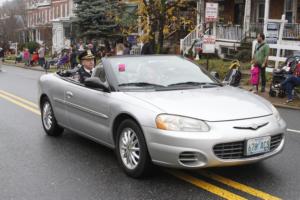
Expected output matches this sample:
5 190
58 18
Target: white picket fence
278 47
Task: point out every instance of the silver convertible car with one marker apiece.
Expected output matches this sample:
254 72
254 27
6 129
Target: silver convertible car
164 110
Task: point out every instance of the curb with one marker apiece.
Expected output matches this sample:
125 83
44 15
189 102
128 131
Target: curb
286 106
278 105
13 65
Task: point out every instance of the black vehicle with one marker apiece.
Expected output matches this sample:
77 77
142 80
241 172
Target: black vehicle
281 74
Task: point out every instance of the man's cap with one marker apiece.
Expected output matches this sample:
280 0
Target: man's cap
86 55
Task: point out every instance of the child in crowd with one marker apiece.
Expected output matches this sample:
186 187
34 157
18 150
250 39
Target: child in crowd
255 72
26 57
19 57
34 59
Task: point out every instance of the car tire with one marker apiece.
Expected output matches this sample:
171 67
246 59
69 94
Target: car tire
126 152
49 122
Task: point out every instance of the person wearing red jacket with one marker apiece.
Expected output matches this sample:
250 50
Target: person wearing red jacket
35 58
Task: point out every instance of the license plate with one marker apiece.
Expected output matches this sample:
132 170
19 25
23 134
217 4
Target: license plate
258 145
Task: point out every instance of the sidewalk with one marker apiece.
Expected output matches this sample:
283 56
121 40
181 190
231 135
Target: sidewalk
22 65
278 102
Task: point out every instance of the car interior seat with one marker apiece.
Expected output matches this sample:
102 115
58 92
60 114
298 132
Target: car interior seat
100 73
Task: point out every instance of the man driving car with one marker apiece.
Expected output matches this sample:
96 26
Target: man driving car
87 64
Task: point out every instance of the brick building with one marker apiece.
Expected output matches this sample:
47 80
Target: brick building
49 22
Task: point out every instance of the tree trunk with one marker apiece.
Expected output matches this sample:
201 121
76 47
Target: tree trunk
161 24
161 34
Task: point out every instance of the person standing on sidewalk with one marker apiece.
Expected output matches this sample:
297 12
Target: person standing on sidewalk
261 55
26 57
41 53
254 78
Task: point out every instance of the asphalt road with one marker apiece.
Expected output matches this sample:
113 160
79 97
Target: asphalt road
34 166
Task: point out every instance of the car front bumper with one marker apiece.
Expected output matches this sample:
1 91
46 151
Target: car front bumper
196 149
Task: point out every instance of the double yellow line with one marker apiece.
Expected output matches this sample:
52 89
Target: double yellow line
224 181
179 174
20 102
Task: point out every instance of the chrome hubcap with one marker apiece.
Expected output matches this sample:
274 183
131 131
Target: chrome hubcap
129 148
47 116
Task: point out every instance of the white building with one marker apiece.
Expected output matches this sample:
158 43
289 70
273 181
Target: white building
49 22
243 19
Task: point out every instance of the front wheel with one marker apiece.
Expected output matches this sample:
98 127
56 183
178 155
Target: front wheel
131 149
48 119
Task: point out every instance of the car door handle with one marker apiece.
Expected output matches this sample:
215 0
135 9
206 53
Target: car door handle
69 94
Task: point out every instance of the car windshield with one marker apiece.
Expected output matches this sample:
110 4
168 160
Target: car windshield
160 72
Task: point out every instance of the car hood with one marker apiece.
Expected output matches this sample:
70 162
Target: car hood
209 104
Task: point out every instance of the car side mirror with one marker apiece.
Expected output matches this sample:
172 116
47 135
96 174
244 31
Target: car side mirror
215 74
95 83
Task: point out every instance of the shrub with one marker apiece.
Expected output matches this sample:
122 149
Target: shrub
10 57
32 46
244 55
217 65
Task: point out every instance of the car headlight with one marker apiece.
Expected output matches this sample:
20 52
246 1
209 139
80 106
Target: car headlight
179 123
276 113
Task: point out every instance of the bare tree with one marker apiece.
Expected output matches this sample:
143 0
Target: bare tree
11 25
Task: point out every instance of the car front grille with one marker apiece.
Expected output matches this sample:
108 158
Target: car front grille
236 150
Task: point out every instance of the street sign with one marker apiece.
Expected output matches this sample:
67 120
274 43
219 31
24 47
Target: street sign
209 43
211 12
272 32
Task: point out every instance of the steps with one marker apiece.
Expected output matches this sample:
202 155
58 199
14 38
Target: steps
188 42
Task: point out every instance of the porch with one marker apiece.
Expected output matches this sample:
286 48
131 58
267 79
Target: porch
237 32
242 20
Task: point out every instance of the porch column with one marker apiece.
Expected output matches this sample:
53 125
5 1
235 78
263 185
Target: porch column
198 12
200 15
36 35
267 9
202 11
295 7
71 5
247 17
57 36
